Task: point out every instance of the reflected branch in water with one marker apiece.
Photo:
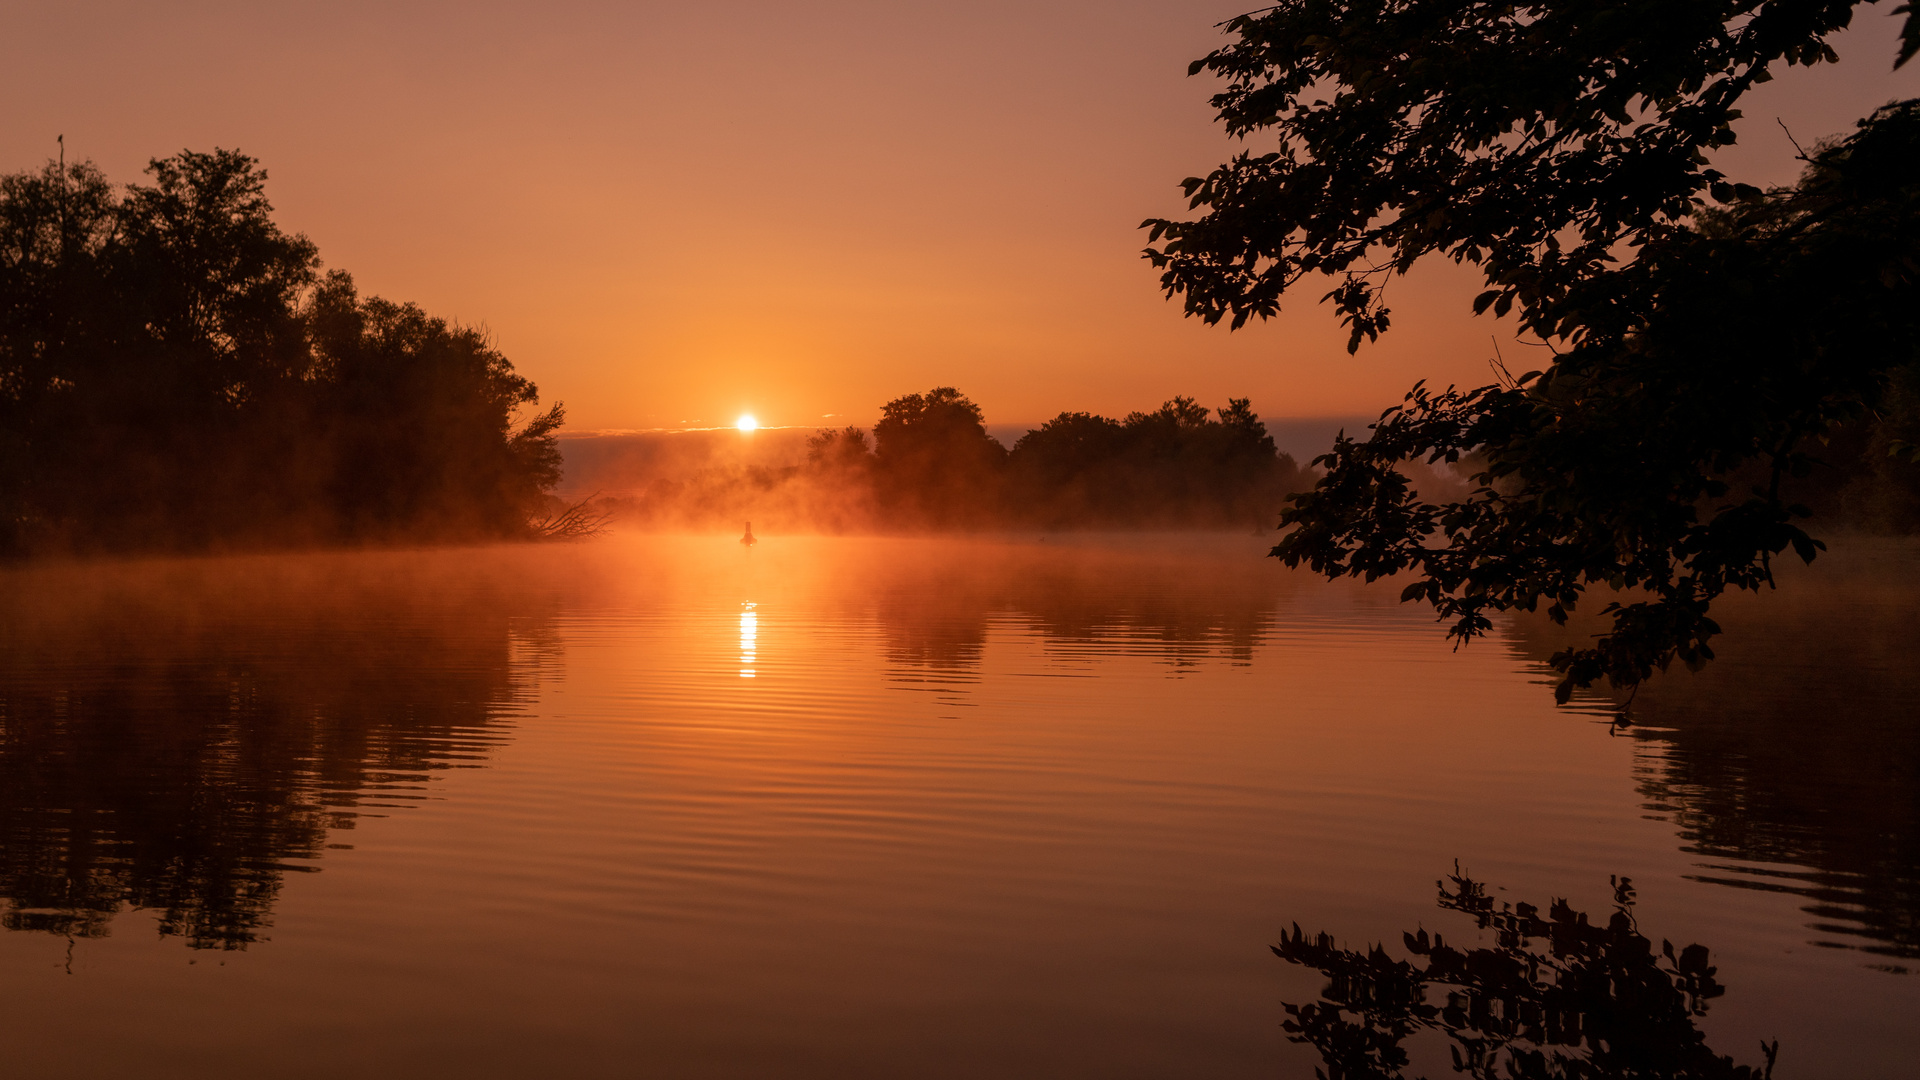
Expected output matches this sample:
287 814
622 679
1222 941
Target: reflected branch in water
1555 996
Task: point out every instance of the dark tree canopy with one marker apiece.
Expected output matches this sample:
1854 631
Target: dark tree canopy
174 373
432 407
936 464
1177 465
1702 336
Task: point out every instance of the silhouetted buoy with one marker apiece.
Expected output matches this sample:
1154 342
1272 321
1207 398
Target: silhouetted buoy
748 539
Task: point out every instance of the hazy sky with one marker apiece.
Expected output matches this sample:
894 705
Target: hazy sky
673 213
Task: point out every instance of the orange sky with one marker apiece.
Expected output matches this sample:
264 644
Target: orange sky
673 213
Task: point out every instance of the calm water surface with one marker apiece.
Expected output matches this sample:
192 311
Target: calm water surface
894 807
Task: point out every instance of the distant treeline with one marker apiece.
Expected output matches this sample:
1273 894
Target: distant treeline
175 372
930 464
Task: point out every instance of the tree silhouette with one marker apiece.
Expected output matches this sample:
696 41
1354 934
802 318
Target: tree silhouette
1173 466
842 451
175 373
936 464
1702 333
424 438
1553 997
935 467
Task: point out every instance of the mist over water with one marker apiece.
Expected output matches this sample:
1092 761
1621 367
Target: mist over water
1025 804
933 464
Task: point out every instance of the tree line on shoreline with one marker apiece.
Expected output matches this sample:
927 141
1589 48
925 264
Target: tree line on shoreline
176 373
929 464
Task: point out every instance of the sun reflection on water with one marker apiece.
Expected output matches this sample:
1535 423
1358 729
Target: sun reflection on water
749 634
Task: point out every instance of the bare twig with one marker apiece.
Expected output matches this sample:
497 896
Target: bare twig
576 522
1801 154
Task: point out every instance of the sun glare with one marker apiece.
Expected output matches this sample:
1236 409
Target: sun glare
746 423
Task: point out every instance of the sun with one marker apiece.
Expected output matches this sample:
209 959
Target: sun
746 423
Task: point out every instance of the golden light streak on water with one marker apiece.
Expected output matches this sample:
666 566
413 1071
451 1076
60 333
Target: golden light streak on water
749 640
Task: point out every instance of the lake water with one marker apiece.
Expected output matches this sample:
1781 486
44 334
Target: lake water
1019 807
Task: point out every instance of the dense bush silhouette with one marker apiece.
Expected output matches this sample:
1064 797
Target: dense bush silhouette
175 373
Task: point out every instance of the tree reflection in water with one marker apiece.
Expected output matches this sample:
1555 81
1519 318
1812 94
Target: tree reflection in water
1792 763
178 737
1141 599
1555 996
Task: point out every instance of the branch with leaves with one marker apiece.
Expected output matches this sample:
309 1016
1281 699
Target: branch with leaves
1704 334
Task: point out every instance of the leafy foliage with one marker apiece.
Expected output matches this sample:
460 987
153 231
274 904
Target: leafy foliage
1704 334
431 406
175 373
